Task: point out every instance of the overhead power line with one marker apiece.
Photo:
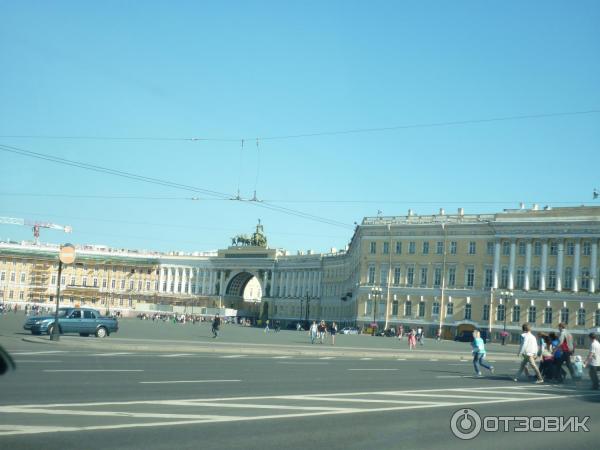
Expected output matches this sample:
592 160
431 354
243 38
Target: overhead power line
166 183
200 138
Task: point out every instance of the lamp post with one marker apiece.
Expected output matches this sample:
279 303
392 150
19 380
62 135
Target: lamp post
375 295
307 307
66 256
506 296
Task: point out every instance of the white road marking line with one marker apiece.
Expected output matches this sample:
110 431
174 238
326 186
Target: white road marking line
189 381
233 356
111 354
490 391
218 419
327 357
366 359
434 359
301 363
401 359
93 370
39 353
372 369
79 412
45 361
437 395
360 400
176 355
281 357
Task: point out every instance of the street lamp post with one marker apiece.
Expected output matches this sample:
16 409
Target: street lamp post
66 256
375 294
307 307
506 296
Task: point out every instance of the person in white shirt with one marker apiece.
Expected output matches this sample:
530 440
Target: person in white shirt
592 362
528 353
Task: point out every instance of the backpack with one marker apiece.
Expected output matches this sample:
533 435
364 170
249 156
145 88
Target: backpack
565 344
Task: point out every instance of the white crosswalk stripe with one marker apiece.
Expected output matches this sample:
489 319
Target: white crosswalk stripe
17 419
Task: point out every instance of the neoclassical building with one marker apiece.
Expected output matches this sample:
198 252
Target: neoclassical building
444 272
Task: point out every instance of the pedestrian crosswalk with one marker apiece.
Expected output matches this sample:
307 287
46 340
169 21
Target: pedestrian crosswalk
23 419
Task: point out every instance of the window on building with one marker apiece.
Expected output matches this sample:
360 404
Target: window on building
453 247
468 311
140 285
437 277
408 308
95 282
113 283
421 309
425 248
522 248
535 279
410 276
395 308
383 274
585 279
53 279
423 276
435 309
489 278
564 315
104 282
490 248
396 276
72 283
568 281
12 277
548 315
373 248
581 317
472 248
23 274
552 279
587 248
371 279
500 312
398 248
83 283
532 314
570 248
386 248
369 307
412 247
486 312
506 248
537 248
147 285
516 314
470 277
504 277
122 284
449 308
439 247
553 248
451 276
596 316
63 280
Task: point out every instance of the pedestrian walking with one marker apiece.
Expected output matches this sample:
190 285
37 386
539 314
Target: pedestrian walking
266 326
592 362
479 354
412 340
216 323
528 352
313 331
400 332
334 329
567 347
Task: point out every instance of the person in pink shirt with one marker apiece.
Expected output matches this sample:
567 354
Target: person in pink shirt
412 340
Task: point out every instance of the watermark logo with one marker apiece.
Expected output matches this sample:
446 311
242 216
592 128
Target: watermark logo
466 424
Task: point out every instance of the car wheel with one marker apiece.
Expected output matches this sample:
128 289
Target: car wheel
51 330
101 332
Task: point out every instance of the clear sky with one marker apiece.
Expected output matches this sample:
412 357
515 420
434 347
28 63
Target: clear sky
238 70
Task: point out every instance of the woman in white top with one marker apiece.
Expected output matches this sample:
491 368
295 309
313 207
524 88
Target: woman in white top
592 362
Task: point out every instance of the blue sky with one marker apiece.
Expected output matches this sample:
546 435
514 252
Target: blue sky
232 70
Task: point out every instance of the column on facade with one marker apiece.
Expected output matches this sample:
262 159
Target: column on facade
544 266
210 285
319 280
527 265
221 282
204 281
184 278
176 280
560 257
310 283
169 278
496 263
292 292
273 282
197 286
593 266
191 279
511 264
303 279
161 279
576 265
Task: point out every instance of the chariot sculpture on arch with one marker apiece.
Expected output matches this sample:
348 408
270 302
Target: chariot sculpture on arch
257 239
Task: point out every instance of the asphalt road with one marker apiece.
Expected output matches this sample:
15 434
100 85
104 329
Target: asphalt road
78 397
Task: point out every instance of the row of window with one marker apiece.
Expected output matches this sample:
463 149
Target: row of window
564 313
553 247
423 277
